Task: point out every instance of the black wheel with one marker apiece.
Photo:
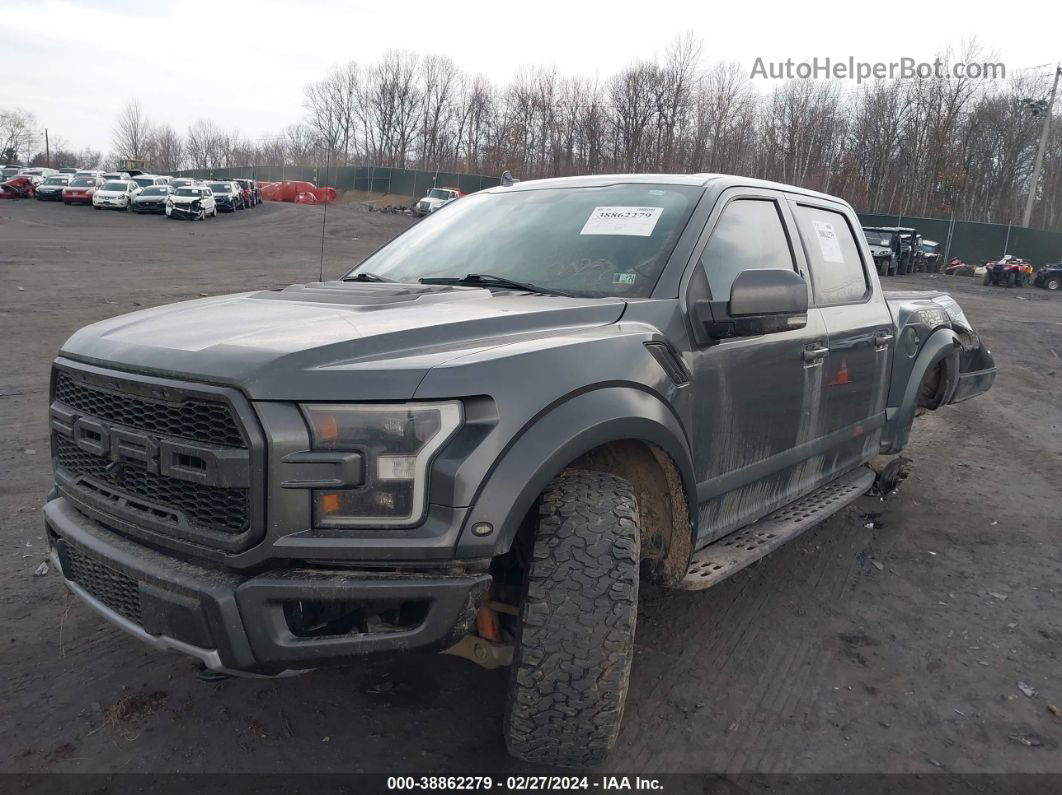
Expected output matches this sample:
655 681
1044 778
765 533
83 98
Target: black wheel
568 681
1052 282
1011 279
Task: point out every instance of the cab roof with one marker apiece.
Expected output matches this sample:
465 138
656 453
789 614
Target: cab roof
716 181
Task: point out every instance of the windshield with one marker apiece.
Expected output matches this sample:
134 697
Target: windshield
594 242
143 182
187 192
153 191
83 182
10 172
56 181
438 193
221 187
118 186
877 238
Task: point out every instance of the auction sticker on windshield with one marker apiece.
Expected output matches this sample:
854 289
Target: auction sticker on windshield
639 221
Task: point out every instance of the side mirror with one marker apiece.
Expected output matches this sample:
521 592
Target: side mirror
766 301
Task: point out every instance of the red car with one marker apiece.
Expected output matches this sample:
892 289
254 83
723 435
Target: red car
81 189
20 187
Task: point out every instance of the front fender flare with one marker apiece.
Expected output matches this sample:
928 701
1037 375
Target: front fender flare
551 441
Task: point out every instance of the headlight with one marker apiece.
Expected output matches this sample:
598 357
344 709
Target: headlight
397 443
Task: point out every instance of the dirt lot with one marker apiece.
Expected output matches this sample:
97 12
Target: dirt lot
855 649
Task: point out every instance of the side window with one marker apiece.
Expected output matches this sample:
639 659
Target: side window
836 268
749 234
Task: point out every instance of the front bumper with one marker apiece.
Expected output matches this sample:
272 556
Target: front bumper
149 207
50 195
243 624
123 203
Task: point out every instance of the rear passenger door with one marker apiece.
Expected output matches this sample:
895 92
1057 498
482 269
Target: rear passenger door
859 329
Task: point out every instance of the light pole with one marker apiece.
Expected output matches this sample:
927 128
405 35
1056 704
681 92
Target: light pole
1036 108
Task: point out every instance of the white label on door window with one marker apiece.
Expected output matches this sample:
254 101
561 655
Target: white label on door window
639 221
828 243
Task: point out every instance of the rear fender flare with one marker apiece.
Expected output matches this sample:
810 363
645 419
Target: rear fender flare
553 440
942 346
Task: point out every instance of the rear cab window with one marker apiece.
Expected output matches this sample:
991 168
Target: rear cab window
838 273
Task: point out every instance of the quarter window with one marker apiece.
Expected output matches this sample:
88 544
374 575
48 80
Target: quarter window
749 234
837 271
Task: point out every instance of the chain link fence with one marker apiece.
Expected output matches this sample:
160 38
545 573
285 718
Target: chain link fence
974 242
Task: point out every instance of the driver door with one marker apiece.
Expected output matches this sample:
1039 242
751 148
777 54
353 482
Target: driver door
757 400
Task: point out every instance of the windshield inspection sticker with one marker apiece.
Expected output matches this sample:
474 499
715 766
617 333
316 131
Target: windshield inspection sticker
624 278
639 221
828 243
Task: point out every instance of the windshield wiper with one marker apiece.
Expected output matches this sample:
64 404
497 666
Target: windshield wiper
365 276
487 280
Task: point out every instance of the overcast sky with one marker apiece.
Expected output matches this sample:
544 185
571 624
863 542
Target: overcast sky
244 64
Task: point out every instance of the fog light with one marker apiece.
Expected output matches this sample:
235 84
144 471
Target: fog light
482 529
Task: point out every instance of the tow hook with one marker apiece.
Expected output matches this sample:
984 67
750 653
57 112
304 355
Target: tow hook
491 647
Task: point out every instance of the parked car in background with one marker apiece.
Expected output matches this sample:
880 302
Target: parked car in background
436 199
122 176
192 203
151 199
884 245
251 194
68 170
147 180
114 194
89 172
7 172
39 171
20 186
227 195
81 190
183 182
1049 277
52 188
931 255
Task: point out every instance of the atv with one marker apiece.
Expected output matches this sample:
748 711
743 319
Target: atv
1009 271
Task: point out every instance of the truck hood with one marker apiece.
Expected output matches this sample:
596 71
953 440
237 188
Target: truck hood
329 341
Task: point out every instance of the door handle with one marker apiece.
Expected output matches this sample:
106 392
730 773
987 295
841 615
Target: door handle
883 338
815 352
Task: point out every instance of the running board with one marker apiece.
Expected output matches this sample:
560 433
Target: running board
732 553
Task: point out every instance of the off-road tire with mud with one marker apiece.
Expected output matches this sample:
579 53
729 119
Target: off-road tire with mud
568 681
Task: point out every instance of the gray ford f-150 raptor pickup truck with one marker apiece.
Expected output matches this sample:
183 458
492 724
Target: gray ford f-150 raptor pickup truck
481 437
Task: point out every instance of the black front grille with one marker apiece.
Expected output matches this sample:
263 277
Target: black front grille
206 506
119 592
198 420
171 463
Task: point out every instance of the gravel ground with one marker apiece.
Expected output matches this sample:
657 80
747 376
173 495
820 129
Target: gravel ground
893 648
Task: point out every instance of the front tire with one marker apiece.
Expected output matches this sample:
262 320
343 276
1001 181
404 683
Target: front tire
1053 283
987 279
1011 279
571 668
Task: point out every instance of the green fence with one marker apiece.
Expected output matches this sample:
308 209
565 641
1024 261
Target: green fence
975 242
399 181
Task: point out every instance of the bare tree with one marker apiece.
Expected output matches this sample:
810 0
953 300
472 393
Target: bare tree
132 131
18 131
